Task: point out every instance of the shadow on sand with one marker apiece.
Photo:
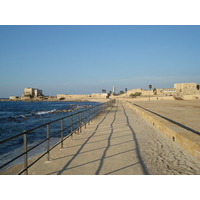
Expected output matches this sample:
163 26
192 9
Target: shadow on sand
145 171
170 120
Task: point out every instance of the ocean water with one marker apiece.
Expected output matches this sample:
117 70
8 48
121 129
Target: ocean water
17 116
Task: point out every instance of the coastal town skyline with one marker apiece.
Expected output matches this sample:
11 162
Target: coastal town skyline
87 59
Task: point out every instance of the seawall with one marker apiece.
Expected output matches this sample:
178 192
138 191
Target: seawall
187 139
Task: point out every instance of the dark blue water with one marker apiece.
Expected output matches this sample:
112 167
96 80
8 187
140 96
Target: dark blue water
16 117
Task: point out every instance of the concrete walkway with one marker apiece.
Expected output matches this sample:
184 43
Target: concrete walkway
118 141
107 146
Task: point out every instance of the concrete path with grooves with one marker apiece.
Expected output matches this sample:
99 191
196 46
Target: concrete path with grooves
108 146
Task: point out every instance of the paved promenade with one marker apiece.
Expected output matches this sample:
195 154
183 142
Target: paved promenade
118 141
107 146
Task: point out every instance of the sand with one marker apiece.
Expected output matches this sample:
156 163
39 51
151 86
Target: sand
183 112
117 142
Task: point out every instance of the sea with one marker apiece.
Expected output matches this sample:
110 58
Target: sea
19 116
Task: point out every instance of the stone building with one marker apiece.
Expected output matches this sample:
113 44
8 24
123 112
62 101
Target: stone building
72 97
29 93
81 96
32 93
180 89
187 88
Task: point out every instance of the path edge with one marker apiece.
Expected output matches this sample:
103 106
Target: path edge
185 138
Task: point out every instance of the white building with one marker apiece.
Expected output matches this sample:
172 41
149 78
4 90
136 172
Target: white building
37 93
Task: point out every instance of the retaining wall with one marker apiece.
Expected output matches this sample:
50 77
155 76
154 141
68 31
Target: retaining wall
188 140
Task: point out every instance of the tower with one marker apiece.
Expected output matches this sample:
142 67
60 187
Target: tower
113 90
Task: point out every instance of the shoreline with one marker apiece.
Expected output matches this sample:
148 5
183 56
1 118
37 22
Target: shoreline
18 164
57 100
20 160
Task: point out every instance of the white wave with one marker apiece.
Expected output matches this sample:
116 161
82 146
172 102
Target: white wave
44 112
21 116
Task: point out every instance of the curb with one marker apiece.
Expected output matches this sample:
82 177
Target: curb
188 140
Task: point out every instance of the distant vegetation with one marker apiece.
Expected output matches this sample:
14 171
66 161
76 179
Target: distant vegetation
135 94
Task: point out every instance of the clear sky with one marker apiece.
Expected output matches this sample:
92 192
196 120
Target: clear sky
86 59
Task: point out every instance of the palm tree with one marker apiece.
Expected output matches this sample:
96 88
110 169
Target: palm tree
150 86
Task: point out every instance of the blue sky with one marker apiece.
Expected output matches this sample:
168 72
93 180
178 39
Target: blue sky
86 59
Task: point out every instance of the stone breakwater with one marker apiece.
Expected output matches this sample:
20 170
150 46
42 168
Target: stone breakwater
72 109
91 99
44 113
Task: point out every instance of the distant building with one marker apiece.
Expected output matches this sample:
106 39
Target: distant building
32 93
169 91
37 93
179 89
28 92
187 88
100 95
72 97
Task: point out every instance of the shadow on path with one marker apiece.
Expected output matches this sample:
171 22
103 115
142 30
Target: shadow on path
68 163
91 150
122 168
124 152
145 171
108 146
